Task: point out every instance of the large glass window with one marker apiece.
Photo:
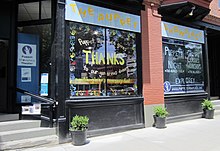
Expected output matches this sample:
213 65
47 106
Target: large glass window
35 10
183 66
28 11
102 61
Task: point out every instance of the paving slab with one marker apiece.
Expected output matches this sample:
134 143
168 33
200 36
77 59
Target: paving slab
194 135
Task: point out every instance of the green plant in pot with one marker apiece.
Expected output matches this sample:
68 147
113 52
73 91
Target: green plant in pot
78 129
160 114
208 109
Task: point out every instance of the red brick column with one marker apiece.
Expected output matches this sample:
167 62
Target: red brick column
152 60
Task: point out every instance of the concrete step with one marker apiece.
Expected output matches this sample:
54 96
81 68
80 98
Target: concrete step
29 143
181 118
217 112
217 107
214 98
8 117
18 125
26 133
216 102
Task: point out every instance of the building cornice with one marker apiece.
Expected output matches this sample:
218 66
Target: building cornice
212 19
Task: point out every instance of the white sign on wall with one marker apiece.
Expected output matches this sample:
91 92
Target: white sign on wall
27 54
25 74
25 99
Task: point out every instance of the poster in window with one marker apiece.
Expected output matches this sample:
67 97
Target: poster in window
194 67
174 66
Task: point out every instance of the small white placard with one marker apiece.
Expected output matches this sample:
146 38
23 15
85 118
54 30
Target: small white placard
25 99
25 74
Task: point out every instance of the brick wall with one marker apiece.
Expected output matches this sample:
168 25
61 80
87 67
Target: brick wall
214 15
152 56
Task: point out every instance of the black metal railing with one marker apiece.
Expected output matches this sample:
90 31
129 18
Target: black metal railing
51 102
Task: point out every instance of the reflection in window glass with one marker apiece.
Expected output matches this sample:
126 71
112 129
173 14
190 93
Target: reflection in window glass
194 67
121 63
87 60
28 11
46 9
44 32
99 70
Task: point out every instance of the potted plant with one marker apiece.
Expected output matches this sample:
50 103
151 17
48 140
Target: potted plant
160 114
78 129
208 109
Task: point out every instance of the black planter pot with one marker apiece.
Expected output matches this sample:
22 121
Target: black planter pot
159 122
209 114
79 137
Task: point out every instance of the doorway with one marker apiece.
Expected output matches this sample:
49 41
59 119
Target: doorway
214 63
3 75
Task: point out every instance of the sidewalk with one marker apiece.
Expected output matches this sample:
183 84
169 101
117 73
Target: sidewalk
194 135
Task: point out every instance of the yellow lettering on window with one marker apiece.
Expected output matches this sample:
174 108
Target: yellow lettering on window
175 28
181 33
82 12
116 16
90 11
96 58
101 17
166 27
102 59
122 22
135 24
128 20
115 59
93 58
109 17
87 52
109 59
122 61
73 7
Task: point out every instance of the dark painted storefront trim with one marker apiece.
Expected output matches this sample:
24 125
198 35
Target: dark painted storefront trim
184 107
108 115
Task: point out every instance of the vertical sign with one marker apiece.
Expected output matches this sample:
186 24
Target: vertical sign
27 66
44 84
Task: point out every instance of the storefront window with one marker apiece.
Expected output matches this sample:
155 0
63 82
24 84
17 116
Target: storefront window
183 66
102 61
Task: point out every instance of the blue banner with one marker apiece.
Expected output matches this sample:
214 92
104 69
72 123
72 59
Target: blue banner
84 13
27 66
